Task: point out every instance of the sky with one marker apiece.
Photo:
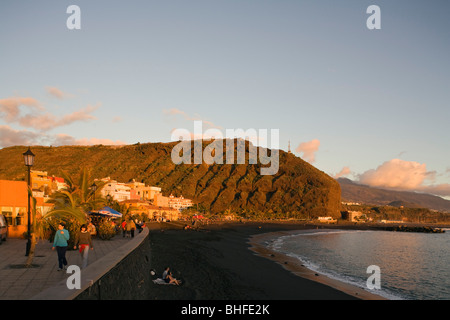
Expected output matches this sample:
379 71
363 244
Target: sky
369 105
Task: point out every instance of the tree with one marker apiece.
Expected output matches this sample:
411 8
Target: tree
77 199
71 203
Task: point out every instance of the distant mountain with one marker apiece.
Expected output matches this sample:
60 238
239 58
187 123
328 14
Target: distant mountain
297 187
354 192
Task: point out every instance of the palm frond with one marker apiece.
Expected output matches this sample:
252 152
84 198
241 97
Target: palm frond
67 213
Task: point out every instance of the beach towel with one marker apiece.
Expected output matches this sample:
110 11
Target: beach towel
161 281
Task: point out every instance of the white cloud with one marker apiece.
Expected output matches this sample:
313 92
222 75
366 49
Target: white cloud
344 172
47 121
30 114
309 149
10 107
404 175
57 93
12 137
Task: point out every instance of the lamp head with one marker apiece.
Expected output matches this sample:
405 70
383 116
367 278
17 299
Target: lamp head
28 158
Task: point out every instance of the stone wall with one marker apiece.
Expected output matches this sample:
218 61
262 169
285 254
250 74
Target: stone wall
128 280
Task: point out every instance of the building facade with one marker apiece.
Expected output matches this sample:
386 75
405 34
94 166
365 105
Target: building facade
14 206
178 203
152 212
117 190
144 192
40 180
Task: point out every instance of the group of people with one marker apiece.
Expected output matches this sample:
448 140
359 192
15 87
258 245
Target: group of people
129 226
83 242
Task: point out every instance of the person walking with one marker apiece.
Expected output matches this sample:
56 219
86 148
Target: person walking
124 228
60 244
131 226
83 242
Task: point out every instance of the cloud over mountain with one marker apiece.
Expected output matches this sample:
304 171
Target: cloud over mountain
309 149
404 175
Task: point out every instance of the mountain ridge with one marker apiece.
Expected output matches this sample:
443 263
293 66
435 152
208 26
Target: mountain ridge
354 192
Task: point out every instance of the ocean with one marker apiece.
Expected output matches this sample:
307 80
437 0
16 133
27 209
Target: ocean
412 266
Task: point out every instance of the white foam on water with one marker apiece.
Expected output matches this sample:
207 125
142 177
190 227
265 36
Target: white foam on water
277 243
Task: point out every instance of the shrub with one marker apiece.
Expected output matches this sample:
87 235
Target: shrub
106 230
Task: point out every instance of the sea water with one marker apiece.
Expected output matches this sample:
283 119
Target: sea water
412 265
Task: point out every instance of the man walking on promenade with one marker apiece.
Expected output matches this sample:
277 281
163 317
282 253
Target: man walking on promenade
124 228
60 243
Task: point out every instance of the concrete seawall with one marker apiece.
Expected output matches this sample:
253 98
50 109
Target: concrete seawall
123 274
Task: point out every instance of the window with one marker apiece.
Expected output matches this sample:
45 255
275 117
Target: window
20 218
8 217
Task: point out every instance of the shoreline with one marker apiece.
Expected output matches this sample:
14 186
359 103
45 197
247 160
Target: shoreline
297 268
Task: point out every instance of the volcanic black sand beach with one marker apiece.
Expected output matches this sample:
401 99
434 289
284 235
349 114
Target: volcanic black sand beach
216 263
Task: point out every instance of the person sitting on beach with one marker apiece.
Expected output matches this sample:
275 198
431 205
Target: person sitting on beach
167 277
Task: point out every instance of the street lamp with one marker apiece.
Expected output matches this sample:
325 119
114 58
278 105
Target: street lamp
28 158
94 188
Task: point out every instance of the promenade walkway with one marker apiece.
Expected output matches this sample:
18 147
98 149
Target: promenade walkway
19 283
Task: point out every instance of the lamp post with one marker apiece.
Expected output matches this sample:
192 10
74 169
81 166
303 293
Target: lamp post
94 188
28 158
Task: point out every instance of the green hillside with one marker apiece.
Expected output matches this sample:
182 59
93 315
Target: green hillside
297 189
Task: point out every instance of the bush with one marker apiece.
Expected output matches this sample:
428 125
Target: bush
106 230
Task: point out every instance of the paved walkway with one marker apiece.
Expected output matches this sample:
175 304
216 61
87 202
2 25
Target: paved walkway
18 283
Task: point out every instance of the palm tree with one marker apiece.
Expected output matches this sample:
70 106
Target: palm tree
77 199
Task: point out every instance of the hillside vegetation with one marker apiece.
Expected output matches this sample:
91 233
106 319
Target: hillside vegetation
296 190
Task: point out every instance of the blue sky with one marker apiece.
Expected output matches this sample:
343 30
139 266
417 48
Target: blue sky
376 102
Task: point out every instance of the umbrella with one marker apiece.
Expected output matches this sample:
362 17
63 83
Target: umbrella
107 211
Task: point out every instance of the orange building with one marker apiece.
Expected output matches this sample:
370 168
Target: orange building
14 206
151 211
41 181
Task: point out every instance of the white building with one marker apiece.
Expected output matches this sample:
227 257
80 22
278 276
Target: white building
179 203
117 190
326 220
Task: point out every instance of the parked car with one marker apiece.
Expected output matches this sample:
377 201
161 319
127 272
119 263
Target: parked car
3 228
